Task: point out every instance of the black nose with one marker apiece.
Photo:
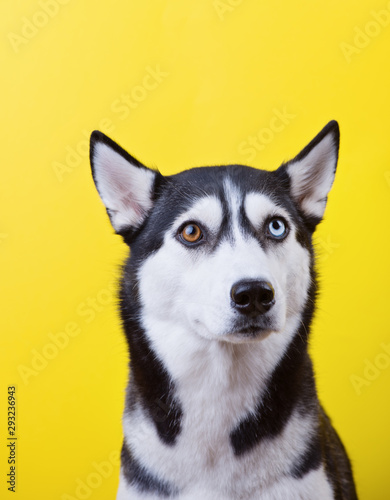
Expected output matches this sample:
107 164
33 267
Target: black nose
252 297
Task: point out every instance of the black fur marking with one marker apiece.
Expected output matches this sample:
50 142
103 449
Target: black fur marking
245 224
310 460
337 465
150 384
138 476
291 385
283 395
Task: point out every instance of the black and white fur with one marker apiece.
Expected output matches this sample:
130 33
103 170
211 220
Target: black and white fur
221 404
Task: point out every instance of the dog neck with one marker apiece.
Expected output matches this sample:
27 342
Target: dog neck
182 385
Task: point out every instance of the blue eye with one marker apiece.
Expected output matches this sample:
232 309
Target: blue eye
277 228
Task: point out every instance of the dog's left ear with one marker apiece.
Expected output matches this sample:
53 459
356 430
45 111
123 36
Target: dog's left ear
126 187
312 172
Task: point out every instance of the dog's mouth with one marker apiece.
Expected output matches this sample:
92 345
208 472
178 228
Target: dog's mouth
249 332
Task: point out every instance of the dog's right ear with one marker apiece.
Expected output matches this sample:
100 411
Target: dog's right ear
312 171
125 186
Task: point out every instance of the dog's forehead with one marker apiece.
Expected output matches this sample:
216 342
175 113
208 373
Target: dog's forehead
211 180
211 194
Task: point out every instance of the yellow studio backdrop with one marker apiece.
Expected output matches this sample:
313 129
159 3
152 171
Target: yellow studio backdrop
179 84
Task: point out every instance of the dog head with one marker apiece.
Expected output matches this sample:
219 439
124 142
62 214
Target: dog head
224 252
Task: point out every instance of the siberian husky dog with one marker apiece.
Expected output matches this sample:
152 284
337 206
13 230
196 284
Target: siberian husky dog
216 301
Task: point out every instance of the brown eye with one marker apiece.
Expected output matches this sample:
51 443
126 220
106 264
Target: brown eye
191 233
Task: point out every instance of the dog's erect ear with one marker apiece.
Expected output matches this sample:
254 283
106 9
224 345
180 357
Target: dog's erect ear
312 171
124 184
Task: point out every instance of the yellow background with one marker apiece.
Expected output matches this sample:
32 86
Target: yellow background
227 66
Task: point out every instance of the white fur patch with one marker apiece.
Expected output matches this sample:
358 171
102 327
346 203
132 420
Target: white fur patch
207 211
124 188
259 207
312 486
234 200
312 177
